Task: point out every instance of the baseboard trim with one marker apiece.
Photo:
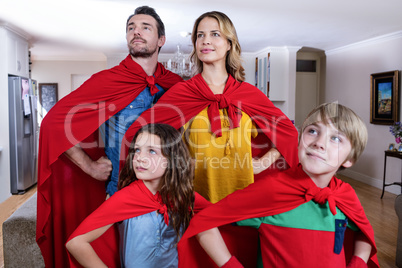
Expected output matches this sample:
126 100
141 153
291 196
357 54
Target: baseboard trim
394 189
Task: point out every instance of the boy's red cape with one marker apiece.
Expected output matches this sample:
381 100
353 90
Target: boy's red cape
187 99
66 195
277 193
132 201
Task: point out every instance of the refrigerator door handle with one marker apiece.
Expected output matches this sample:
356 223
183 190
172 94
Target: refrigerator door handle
27 117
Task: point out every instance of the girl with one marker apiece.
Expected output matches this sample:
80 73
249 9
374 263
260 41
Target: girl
152 208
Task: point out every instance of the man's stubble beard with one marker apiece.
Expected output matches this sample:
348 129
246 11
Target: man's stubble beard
142 53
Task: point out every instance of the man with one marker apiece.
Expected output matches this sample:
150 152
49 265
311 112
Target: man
110 101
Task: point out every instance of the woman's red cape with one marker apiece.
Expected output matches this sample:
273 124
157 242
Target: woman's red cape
185 100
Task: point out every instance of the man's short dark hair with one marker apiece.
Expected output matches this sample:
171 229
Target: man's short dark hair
146 10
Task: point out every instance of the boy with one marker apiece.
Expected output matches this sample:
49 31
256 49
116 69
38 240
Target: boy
297 226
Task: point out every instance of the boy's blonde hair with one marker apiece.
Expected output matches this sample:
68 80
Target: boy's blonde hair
345 120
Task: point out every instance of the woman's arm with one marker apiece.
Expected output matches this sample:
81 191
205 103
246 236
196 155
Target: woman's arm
214 245
264 162
82 250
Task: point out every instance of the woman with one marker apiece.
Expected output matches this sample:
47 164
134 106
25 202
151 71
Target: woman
232 129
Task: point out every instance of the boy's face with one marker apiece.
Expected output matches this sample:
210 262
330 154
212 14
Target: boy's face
323 149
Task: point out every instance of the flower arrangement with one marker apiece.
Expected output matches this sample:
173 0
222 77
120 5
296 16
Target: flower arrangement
396 130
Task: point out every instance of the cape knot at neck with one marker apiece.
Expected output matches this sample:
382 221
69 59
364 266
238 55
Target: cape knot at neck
324 195
223 102
163 209
164 212
151 80
151 84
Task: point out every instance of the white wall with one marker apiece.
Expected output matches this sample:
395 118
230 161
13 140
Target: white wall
249 67
348 82
60 72
4 130
44 72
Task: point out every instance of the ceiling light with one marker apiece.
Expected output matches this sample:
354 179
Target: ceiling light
185 34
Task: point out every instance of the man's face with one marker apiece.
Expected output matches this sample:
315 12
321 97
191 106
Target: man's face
142 36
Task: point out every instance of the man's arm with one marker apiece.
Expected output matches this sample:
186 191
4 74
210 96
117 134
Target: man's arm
99 169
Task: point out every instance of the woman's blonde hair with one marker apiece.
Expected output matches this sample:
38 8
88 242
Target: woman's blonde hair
233 59
345 120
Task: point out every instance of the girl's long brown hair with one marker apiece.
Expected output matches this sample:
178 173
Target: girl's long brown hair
176 189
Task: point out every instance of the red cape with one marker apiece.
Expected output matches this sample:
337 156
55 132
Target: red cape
66 195
185 100
277 193
135 200
131 201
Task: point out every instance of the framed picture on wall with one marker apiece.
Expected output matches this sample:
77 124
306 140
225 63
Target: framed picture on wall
47 96
384 98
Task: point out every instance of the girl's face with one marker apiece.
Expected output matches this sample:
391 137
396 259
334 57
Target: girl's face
148 162
211 45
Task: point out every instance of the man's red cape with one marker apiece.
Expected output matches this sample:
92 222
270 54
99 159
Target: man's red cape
185 100
277 193
66 195
129 202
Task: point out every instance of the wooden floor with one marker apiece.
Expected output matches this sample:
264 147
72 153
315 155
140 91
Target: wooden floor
380 212
382 216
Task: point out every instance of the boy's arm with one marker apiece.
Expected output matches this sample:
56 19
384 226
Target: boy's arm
214 245
362 251
82 250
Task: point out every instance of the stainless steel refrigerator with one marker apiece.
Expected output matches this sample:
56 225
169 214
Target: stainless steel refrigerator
23 133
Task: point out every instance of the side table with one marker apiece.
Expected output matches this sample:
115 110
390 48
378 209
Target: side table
390 154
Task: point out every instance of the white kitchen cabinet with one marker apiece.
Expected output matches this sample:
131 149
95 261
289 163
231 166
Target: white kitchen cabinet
276 76
271 72
17 55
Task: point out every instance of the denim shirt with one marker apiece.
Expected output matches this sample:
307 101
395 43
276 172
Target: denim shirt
113 130
147 242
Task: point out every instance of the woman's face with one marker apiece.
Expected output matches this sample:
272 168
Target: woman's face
211 45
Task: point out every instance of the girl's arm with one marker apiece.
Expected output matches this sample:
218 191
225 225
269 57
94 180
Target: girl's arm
214 245
82 250
261 164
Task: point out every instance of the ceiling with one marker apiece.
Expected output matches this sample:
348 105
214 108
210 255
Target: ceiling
97 27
